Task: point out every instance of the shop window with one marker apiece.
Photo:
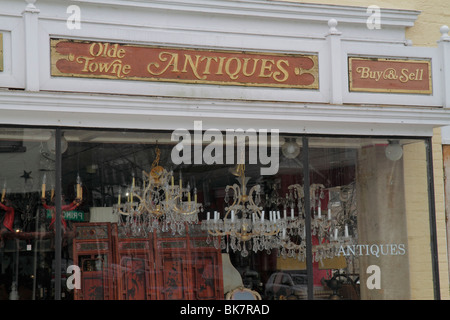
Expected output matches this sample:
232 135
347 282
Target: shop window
339 218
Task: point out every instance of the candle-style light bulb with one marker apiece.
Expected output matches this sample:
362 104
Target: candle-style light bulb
4 191
132 187
44 178
143 180
79 187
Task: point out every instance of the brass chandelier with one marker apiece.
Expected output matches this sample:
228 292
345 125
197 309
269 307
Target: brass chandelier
159 204
332 230
244 225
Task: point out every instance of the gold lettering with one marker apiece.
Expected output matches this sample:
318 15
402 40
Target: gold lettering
194 66
86 62
208 63
233 75
115 67
364 71
378 75
172 63
282 71
404 77
220 67
92 48
121 53
93 67
104 66
98 49
390 74
265 67
126 69
244 68
112 52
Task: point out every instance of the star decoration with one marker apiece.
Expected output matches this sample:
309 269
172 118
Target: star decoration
26 175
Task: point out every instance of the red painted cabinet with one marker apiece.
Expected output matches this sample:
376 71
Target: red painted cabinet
92 252
135 268
161 266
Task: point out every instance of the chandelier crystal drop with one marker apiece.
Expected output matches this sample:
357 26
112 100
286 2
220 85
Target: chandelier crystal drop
159 204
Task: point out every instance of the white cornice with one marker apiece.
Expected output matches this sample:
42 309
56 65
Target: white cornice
112 111
268 9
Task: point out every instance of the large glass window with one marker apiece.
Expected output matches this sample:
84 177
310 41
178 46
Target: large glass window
213 215
27 254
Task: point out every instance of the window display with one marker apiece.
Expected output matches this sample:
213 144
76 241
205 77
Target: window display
337 220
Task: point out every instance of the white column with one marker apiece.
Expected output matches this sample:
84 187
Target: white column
30 19
335 52
444 56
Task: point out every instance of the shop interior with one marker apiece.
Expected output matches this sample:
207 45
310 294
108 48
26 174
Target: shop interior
103 169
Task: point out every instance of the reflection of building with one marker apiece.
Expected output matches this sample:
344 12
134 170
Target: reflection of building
96 101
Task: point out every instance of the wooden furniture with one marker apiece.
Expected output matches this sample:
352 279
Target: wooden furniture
93 253
161 266
135 267
189 267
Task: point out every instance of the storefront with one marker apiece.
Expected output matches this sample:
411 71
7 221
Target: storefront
205 150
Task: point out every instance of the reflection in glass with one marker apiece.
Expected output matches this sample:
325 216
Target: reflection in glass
368 209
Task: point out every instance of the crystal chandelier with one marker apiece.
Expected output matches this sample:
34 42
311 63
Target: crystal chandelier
159 204
333 230
244 226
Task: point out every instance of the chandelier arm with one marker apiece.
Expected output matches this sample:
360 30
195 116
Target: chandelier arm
252 203
217 233
122 212
236 199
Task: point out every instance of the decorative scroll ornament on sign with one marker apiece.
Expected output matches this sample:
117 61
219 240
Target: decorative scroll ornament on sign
87 59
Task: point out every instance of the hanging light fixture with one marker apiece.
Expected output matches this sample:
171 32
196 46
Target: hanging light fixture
334 229
290 148
394 150
51 143
159 204
244 224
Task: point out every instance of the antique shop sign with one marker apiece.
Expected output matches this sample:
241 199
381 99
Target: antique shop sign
389 75
70 58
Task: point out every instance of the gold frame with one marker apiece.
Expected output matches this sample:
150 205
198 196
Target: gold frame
408 91
55 56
